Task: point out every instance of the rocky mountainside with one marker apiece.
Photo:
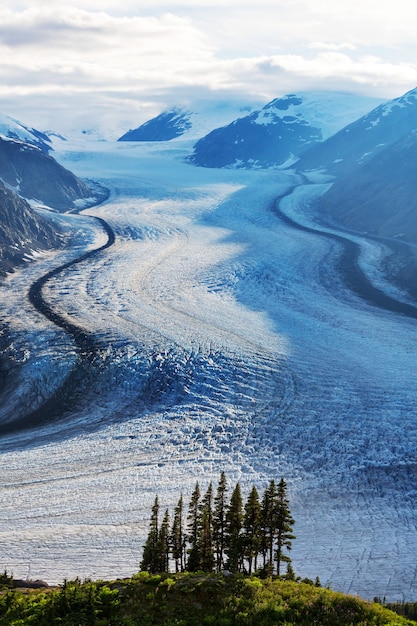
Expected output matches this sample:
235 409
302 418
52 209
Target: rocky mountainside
36 175
23 232
28 173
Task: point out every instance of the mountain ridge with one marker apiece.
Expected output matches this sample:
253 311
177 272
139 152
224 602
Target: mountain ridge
11 128
357 142
279 133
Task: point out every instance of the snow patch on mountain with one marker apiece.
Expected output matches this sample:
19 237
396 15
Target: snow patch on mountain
13 129
190 121
164 127
280 132
329 111
359 141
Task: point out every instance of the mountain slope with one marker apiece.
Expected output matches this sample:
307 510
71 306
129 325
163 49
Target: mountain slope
190 122
35 175
23 232
379 198
164 127
27 173
264 138
359 141
13 129
280 132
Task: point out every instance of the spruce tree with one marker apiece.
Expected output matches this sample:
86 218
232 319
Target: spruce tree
284 523
252 529
219 521
269 524
206 531
193 536
234 519
163 549
177 538
150 560
215 529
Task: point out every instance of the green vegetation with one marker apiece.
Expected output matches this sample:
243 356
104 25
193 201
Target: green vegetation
191 599
218 535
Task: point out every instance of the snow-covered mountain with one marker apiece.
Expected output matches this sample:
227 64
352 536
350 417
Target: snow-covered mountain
12 128
189 122
279 132
163 127
359 141
28 169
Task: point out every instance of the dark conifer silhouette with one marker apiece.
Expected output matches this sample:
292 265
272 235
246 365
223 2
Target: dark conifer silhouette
193 537
163 547
234 539
206 531
284 525
252 530
150 561
217 529
177 538
219 521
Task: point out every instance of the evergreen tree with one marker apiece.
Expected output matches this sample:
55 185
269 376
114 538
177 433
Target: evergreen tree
252 529
206 531
290 574
163 548
193 536
284 523
234 520
150 561
219 521
216 529
268 524
177 538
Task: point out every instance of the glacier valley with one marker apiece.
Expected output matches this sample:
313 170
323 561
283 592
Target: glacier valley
225 335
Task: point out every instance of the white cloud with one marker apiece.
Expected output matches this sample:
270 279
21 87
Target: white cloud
321 45
108 52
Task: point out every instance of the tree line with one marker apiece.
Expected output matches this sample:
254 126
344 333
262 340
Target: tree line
219 534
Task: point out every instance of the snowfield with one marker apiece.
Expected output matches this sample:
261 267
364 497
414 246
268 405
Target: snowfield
226 339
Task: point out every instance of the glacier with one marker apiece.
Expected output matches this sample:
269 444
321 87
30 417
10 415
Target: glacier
226 339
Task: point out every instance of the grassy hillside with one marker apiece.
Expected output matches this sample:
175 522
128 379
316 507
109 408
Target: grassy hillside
190 600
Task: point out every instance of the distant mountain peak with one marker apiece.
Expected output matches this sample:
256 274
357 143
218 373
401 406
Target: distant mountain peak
283 104
13 129
164 127
279 132
190 121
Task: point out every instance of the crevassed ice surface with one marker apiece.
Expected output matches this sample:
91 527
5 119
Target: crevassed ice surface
227 340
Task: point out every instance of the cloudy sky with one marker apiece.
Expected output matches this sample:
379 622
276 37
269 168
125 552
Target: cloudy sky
118 62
